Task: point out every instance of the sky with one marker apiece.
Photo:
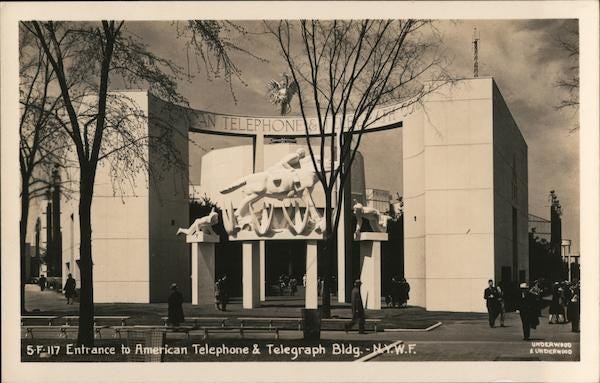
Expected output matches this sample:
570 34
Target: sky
522 56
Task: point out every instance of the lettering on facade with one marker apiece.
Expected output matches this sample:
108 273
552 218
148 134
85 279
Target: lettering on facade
292 126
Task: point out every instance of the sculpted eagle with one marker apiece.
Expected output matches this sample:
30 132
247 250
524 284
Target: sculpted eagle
281 93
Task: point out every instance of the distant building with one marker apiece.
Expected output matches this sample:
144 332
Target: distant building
378 199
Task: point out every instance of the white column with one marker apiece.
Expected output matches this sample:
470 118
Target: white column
203 273
370 274
250 274
263 295
311 299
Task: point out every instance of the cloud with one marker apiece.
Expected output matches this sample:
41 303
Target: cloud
522 56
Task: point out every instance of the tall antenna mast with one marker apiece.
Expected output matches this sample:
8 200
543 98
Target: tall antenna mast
475 53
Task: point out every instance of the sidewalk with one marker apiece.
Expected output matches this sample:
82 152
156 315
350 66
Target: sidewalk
462 336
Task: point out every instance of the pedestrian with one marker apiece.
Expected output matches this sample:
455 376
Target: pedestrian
319 286
566 299
395 292
388 300
282 284
304 280
501 304
218 294
293 286
334 286
404 292
527 308
490 294
42 282
358 311
69 288
573 310
556 310
224 285
538 292
175 307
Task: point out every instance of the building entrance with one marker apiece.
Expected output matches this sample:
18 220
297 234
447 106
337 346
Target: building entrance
284 261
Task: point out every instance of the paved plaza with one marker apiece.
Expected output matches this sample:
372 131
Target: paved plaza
460 337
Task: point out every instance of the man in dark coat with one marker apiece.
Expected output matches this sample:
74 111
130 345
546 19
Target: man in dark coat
70 288
224 292
527 307
358 311
490 294
175 307
395 292
218 294
404 290
42 282
567 295
573 310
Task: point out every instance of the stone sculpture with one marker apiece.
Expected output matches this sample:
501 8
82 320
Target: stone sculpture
377 220
202 224
287 185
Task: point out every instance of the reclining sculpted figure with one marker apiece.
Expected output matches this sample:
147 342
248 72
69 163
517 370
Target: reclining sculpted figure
377 220
202 224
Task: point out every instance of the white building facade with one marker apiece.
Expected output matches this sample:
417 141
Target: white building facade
465 197
465 201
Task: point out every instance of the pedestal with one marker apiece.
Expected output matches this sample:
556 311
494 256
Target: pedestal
311 298
370 269
251 274
203 273
203 267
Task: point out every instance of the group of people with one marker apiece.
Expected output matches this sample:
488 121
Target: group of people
175 308
69 289
399 293
564 306
494 300
288 283
321 285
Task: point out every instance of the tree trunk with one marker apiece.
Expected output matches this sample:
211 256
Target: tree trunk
86 300
328 255
22 238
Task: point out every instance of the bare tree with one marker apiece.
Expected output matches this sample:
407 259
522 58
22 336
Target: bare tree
569 42
108 127
42 144
212 44
345 70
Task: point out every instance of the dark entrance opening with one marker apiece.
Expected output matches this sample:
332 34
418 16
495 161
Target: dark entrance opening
283 259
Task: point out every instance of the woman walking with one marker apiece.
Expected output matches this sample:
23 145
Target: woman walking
70 289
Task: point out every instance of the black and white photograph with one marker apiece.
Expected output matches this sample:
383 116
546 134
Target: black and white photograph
300 191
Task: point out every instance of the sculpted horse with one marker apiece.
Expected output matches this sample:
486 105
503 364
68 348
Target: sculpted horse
278 184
